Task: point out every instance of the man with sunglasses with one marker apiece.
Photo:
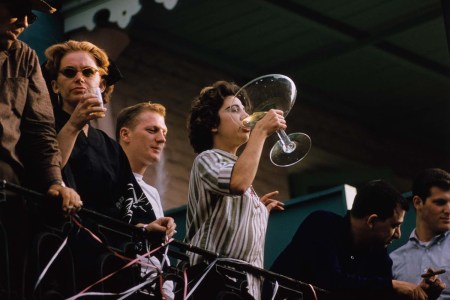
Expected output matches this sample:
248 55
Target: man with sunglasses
29 153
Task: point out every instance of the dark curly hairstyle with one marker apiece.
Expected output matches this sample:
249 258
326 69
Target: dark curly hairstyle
204 113
428 178
377 197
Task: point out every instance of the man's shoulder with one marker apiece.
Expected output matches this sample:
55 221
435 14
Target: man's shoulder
322 215
21 55
321 222
20 46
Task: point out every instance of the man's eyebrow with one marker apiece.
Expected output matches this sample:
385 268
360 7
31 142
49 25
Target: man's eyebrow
442 200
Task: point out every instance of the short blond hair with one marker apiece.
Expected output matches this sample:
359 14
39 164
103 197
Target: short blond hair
128 116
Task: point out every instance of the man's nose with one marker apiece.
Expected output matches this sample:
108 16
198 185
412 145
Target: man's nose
22 21
447 207
397 233
161 137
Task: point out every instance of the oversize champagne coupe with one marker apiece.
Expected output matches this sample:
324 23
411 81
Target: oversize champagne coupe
275 91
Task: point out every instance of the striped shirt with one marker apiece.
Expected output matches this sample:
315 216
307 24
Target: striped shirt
231 225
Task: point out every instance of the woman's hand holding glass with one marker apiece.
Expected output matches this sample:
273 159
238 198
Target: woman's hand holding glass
271 122
96 93
89 108
274 92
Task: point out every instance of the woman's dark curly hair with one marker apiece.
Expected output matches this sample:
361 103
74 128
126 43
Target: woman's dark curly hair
204 113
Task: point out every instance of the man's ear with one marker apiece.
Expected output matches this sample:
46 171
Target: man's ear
371 219
417 201
124 134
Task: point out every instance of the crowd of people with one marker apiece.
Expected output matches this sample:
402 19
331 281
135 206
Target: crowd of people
47 144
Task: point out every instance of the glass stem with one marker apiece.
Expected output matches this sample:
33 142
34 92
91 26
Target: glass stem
288 145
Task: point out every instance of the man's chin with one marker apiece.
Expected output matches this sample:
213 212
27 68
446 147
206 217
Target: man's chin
154 159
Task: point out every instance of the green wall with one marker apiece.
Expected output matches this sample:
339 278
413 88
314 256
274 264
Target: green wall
46 31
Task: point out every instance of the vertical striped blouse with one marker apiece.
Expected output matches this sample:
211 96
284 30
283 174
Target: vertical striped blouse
231 225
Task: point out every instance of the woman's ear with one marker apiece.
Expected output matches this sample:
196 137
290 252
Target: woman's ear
102 85
55 87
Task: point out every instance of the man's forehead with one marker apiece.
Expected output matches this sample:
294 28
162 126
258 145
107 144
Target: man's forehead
436 190
399 214
152 118
151 114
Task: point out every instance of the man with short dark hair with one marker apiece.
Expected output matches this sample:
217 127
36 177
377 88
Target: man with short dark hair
347 255
429 243
28 146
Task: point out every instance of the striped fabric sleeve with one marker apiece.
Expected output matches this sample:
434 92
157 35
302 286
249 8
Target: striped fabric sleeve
215 171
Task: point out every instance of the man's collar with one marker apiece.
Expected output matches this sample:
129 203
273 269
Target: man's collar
15 45
435 239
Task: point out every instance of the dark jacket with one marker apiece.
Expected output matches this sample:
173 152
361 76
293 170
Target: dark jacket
322 253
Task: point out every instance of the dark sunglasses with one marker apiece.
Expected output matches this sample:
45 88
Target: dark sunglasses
20 12
71 72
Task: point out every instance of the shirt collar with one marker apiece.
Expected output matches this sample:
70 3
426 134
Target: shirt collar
434 240
15 45
138 176
225 153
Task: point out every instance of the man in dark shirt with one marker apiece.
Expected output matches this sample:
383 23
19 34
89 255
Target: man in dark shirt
347 255
28 146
